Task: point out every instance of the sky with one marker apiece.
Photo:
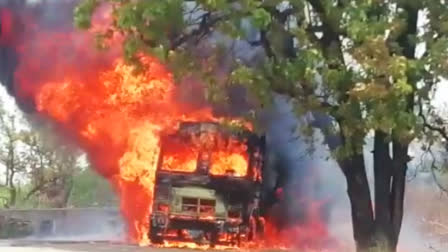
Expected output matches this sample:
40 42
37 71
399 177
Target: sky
7 101
9 104
441 97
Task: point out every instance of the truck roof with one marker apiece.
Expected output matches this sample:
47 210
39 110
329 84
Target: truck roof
212 127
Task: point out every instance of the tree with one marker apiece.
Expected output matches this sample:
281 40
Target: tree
52 166
354 63
11 156
90 189
30 157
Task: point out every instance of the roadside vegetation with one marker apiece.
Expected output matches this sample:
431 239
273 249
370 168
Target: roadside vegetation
38 170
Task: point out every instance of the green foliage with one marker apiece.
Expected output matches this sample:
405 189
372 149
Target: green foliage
83 13
148 24
4 196
261 18
35 161
89 189
353 61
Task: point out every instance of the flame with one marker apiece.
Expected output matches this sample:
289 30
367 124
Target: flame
122 110
192 245
114 112
180 156
226 159
233 159
119 116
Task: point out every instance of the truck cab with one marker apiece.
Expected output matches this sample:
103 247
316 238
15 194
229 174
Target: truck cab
208 186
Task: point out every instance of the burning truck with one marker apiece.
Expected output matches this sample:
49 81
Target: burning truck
208 183
200 181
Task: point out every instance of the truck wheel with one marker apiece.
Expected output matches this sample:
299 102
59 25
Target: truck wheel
180 234
252 236
261 226
238 239
214 238
155 237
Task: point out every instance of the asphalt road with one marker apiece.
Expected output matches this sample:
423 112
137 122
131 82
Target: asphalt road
28 246
80 247
25 246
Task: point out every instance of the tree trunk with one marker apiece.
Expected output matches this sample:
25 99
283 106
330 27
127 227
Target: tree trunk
360 200
12 196
12 190
357 187
398 165
68 192
383 174
400 152
7 176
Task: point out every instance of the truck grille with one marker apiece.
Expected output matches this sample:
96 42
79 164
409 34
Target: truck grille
198 206
207 206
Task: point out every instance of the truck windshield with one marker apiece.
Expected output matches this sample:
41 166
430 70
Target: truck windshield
230 158
179 155
217 156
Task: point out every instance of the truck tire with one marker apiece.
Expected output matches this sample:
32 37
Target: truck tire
252 236
261 227
214 237
155 237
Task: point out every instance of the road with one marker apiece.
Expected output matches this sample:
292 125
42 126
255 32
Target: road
33 246
78 247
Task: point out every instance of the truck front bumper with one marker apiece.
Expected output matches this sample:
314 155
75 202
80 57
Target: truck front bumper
164 221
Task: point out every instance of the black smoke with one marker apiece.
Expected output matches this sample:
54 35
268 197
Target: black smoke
55 15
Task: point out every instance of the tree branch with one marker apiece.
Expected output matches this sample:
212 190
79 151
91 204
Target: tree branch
439 129
204 28
433 173
39 187
330 33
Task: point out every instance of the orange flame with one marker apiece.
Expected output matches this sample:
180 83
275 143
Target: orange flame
122 110
116 114
227 158
233 159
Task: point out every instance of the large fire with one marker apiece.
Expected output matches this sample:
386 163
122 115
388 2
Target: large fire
121 115
124 113
228 157
116 114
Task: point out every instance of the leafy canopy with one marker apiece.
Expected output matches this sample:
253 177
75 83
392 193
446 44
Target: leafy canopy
354 60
